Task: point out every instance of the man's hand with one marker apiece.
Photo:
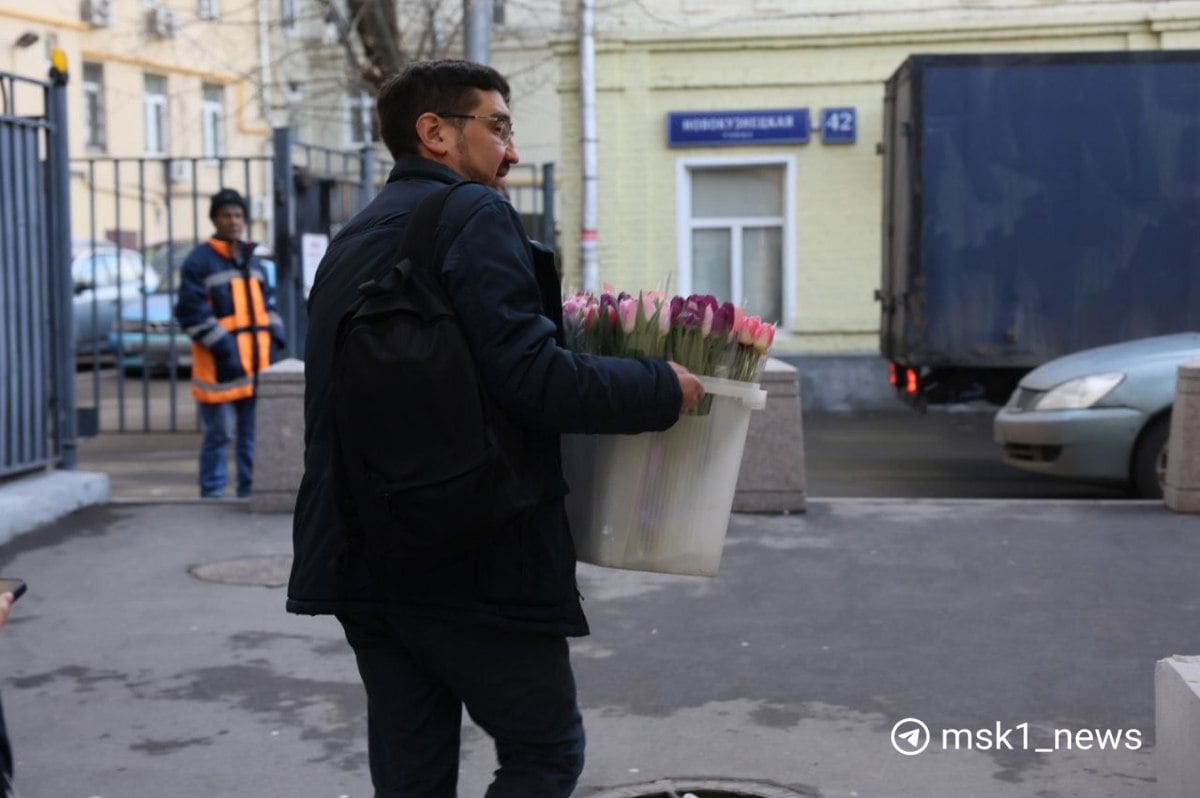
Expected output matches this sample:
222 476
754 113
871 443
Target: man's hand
693 391
6 602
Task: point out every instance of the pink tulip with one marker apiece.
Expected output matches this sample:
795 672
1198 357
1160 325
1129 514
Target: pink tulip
572 311
764 338
628 311
650 303
749 330
664 319
706 324
590 319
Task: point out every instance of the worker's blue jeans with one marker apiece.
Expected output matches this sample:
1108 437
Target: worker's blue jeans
217 418
517 687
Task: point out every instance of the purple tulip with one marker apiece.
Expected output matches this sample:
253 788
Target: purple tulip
723 319
676 307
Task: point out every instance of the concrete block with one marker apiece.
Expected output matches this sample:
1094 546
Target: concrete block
1177 726
33 501
279 438
1181 489
771 479
844 382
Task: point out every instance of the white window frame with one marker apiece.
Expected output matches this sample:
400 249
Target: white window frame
361 105
289 12
685 224
154 107
98 124
212 123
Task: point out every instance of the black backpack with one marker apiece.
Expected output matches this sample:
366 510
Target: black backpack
423 460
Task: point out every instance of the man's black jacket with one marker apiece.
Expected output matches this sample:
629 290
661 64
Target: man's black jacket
508 303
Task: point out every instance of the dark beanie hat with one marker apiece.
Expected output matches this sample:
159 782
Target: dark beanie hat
226 196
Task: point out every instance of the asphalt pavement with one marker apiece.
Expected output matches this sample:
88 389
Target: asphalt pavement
152 656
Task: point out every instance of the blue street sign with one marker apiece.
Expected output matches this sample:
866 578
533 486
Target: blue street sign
706 128
839 125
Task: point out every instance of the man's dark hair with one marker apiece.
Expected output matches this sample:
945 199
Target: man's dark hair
226 196
447 87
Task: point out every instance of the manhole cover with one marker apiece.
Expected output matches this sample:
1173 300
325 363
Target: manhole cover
706 788
270 570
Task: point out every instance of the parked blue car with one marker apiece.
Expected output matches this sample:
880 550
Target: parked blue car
147 336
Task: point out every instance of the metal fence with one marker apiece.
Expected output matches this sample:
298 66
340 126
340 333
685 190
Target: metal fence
37 421
134 371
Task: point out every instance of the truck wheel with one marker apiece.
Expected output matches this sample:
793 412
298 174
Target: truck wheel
1150 458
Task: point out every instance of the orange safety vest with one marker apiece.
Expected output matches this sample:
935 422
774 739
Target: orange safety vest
249 323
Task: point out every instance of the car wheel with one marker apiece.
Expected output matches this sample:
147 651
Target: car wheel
1150 458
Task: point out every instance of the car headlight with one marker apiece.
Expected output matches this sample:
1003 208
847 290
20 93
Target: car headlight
1079 393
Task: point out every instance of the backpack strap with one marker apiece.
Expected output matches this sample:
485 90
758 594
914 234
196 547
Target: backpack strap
417 245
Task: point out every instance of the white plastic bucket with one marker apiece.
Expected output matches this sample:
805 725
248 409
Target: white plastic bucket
660 501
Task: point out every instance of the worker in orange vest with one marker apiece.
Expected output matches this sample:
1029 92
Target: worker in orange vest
227 306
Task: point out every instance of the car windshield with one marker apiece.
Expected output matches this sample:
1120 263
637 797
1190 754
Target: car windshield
104 269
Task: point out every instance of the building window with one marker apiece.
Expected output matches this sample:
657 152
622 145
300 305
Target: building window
287 14
93 107
735 233
208 9
154 102
212 120
359 106
498 15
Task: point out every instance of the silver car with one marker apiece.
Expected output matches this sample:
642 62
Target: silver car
1100 415
105 276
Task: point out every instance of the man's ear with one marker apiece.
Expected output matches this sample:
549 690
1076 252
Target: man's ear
432 132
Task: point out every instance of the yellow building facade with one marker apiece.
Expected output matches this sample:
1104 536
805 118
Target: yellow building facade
148 81
793 229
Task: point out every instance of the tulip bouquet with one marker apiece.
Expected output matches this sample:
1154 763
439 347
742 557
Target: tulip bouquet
708 337
660 501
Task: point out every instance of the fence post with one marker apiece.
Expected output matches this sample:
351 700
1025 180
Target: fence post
285 220
367 189
548 205
58 159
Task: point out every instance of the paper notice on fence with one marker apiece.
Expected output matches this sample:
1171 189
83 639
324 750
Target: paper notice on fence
312 249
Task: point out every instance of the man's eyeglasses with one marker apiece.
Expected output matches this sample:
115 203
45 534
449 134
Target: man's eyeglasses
502 124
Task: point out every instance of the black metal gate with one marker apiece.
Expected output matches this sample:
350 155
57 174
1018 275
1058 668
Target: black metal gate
37 403
149 213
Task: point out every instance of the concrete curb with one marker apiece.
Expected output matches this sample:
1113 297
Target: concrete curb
28 503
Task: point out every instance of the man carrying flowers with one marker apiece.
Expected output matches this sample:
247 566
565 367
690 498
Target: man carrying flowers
487 630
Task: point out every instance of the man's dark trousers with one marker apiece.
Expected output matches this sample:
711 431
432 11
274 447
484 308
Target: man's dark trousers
517 687
6 761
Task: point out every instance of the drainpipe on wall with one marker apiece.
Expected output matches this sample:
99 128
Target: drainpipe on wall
587 108
477 30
